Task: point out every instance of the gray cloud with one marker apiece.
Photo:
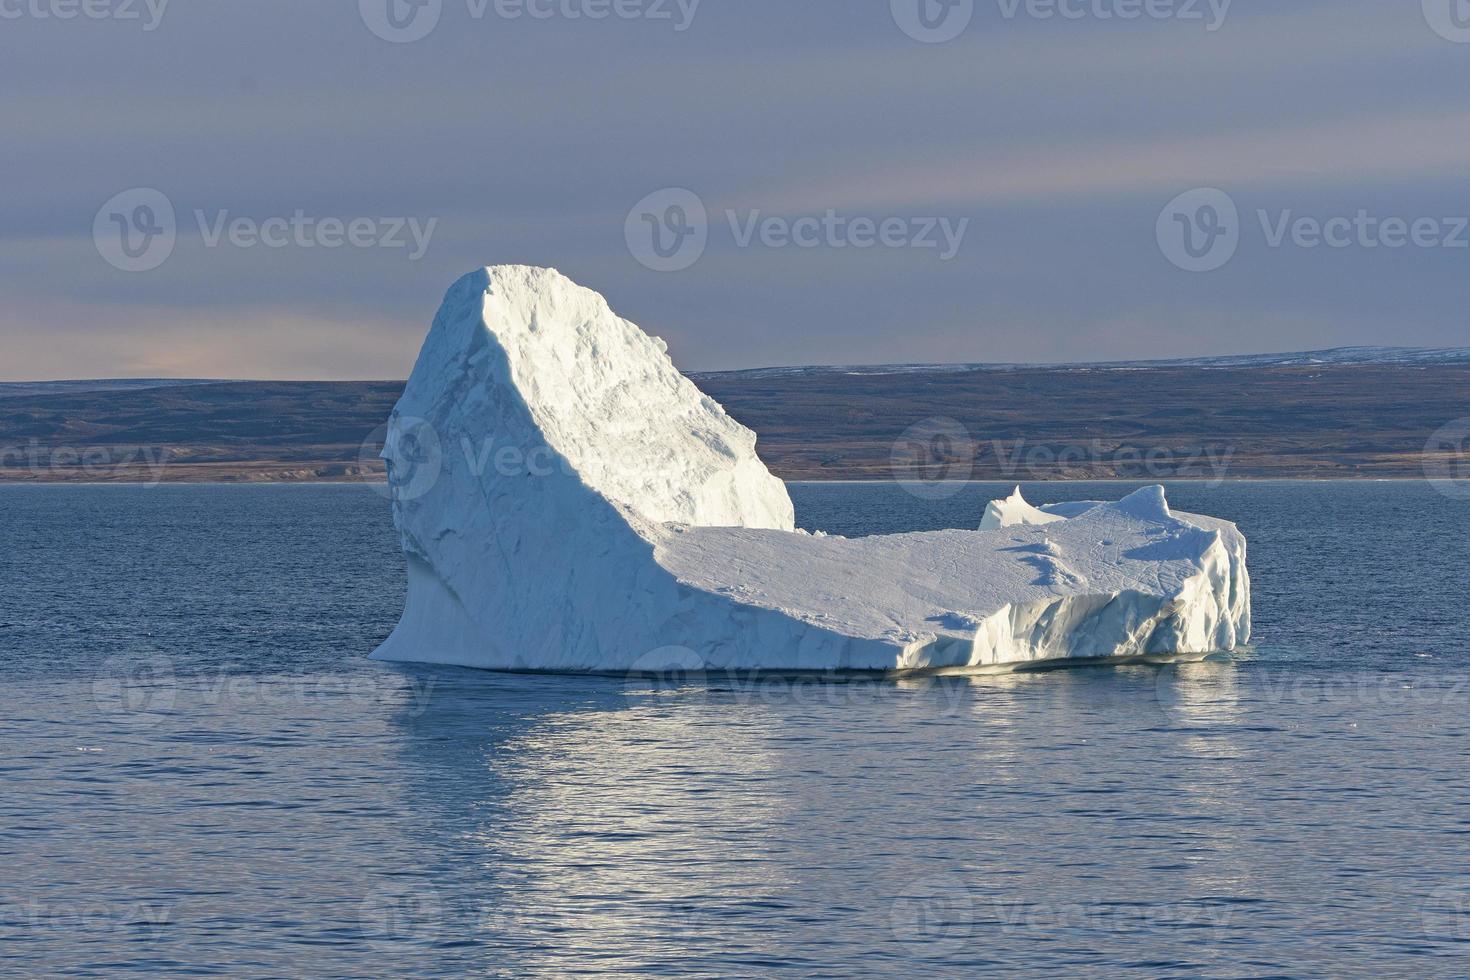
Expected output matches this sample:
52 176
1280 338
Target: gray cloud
529 140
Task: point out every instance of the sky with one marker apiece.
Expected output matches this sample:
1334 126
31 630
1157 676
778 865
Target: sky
285 189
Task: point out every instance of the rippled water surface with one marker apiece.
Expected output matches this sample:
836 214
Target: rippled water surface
202 772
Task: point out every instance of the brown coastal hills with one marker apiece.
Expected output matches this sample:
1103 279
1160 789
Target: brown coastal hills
1350 413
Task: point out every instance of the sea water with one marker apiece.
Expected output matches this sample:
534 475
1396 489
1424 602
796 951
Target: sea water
201 772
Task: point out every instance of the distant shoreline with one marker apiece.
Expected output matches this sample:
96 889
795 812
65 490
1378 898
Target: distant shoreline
1194 424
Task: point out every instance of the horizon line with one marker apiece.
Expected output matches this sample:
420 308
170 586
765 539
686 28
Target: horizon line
1208 360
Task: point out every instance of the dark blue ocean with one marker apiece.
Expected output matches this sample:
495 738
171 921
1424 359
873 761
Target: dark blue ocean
202 774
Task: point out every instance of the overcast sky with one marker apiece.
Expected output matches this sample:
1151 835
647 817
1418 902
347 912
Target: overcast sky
986 184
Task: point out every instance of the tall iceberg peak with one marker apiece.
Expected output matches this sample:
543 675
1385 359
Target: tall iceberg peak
586 508
601 395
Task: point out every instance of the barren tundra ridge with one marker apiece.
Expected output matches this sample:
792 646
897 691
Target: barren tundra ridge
1170 421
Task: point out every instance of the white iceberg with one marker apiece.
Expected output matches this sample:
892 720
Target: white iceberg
1014 511
584 507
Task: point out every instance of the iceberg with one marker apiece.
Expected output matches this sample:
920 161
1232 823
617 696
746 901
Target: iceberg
1014 511
586 508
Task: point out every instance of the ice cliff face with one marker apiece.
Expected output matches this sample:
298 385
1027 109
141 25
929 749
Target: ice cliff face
1213 606
531 356
588 509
